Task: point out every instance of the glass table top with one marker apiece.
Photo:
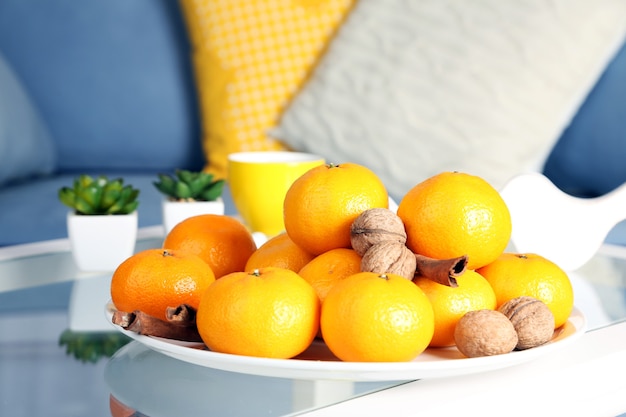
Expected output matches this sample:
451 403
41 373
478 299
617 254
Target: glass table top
60 357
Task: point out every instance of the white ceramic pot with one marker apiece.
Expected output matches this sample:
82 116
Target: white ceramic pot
102 242
175 212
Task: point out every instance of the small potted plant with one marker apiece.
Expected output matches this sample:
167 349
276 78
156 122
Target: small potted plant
189 194
102 225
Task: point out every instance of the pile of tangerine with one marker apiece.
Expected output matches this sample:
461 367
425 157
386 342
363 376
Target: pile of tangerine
273 301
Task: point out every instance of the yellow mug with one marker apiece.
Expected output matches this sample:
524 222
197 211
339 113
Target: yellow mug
259 181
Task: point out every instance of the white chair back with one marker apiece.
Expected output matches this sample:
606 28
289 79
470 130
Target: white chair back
567 230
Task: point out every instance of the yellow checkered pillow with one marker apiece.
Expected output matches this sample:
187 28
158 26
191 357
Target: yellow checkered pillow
250 58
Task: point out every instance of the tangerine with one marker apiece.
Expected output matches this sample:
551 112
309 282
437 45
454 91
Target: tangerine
451 303
453 214
155 279
325 270
514 275
281 252
221 241
372 317
321 205
270 312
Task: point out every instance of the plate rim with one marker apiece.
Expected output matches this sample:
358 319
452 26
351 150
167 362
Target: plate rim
354 371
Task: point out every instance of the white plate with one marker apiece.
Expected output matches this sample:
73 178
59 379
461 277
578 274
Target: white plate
318 363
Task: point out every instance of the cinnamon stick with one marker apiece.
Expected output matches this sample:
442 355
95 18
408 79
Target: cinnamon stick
145 324
442 271
183 315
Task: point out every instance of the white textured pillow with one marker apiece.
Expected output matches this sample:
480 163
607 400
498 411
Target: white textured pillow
411 88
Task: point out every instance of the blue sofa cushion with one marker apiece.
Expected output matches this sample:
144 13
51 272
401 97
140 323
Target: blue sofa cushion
589 159
107 71
26 149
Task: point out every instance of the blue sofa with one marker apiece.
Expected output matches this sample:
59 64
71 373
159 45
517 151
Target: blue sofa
100 87
106 87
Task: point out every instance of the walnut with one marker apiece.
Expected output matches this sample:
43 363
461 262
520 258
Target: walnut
374 226
484 333
389 257
532 319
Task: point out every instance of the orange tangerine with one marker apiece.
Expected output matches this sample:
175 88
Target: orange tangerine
155 279
221 241
281 252
270 312
514 275
451 303
321 205
454 214
371 317
325 270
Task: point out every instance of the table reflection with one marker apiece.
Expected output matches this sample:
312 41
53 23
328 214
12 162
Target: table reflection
157 385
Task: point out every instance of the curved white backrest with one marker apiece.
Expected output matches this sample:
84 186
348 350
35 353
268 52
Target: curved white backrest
567 230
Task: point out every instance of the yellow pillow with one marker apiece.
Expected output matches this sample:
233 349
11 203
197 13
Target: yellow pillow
250 58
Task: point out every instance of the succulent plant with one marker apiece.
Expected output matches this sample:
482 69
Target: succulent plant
190 186
100 196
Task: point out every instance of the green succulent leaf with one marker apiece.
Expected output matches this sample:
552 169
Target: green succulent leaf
82 182
130 207
166 185
188 185
200 183
83 207
134 193
111 193
185 176
102 181
212 194
128 195
99 196
182 190
67 196
92 194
